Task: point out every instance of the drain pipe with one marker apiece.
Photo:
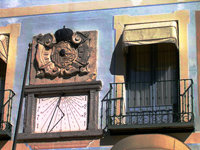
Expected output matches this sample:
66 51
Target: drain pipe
21 98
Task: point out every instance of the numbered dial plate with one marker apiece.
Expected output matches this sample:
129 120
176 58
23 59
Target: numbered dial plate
61 114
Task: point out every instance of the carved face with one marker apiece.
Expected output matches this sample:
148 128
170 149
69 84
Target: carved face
63 54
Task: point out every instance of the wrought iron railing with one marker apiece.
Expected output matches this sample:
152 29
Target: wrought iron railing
5 111
148 103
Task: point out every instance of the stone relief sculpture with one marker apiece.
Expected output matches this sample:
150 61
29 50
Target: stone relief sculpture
64 53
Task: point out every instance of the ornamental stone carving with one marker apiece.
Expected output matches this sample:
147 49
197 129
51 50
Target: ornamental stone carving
65 56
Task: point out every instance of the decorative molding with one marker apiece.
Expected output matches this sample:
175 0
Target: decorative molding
82 6
59 136
66 144
60 88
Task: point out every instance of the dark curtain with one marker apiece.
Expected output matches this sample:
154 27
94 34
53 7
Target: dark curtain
2 84
152 78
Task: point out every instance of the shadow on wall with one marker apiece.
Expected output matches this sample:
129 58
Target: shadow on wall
2 143
118 66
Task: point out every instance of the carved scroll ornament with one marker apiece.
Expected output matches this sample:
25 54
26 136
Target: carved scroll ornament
64 53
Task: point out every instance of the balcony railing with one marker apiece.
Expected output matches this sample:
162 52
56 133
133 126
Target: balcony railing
5 113
164 103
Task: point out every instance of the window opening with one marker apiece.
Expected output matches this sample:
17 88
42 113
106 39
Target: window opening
2 84
152 79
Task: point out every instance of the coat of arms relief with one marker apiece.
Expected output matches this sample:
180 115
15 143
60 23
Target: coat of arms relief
65 54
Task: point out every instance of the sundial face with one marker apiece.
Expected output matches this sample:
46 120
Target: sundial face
61 114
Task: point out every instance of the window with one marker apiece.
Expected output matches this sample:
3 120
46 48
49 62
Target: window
151 75
152 82
8 49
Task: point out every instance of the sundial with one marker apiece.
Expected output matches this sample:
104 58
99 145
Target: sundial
62 96
59 114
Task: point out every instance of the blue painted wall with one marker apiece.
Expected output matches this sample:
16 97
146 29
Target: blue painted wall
102 21
27 3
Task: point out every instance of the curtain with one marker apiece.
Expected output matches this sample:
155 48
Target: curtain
4 47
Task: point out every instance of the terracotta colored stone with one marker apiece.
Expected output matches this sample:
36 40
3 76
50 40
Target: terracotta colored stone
67 144
51 72
150 142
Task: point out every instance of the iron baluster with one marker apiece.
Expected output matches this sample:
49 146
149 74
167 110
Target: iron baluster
188 104
191 99
101 115
121 103
107 115
122 100
8 108
185 97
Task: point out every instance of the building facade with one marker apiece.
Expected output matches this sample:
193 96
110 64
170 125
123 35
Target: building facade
100 74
